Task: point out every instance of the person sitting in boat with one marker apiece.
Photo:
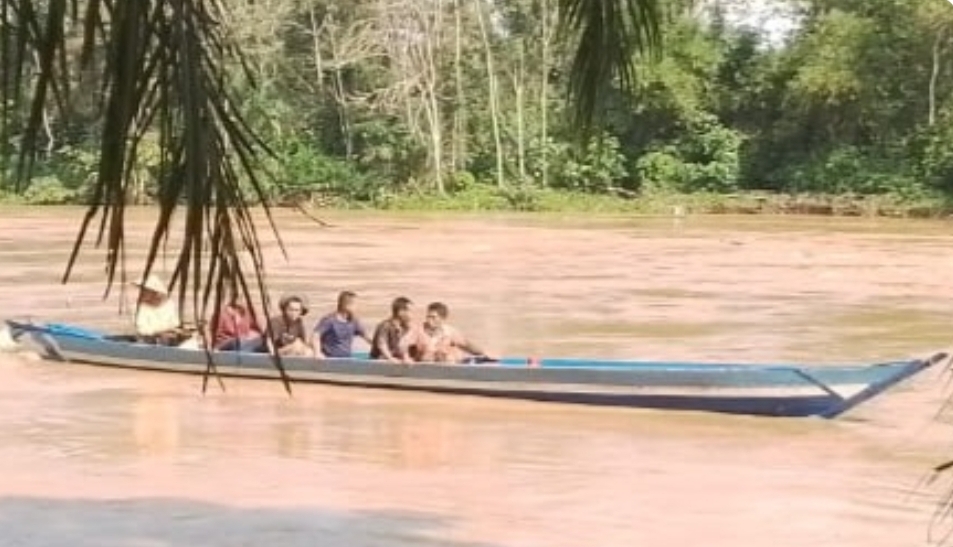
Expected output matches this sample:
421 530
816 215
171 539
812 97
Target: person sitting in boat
394 338
334 334
157 315
235 328
441 342
286 333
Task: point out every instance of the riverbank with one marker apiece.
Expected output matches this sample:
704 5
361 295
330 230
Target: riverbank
752 203
482 198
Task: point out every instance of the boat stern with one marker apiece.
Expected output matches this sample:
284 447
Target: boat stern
11 336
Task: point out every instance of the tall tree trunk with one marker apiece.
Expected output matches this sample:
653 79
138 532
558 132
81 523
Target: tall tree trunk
518 81
340 93
544 93
458 149
316 46
493 97
935 74
435 18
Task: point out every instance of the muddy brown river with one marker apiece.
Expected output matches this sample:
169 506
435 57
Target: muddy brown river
96 457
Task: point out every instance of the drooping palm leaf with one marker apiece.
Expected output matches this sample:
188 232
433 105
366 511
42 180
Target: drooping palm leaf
163 67
607 35
164 70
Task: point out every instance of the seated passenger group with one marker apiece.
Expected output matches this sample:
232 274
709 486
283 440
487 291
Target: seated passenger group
397 339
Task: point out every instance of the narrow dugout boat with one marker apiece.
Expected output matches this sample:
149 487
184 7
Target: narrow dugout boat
767 390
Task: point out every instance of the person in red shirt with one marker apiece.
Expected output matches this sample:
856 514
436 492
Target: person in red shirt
236 329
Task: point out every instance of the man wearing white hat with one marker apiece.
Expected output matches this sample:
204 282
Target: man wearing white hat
157 316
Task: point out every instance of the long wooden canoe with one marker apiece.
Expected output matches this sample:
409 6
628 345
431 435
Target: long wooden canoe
768 390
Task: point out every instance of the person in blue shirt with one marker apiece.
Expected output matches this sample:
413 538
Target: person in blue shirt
334 334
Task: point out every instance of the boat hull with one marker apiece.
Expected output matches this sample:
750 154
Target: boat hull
782 390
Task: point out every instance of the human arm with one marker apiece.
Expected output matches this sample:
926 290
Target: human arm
467 345
295 349
270 346
470 347
361 332
317 334
270 336
382 342
415 345
316 348
384 349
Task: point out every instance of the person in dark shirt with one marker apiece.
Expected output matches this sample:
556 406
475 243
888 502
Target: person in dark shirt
334 334
286 332
393 337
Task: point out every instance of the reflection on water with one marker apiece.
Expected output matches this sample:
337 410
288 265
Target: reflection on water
501 473
156 426
103 457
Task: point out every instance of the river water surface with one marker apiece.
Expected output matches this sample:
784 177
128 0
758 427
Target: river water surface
96 457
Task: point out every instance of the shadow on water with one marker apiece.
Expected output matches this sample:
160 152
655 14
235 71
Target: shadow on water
159 522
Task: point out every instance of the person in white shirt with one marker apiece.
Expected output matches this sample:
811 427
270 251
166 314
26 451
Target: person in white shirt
157 316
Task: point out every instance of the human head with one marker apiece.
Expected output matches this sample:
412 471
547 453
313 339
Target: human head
437 313
293 307
400 309
152 290
236 299
346 303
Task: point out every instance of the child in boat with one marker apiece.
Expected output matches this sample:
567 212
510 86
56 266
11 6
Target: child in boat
286 333
440 342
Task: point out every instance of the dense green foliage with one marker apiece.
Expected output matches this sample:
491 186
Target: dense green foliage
378 101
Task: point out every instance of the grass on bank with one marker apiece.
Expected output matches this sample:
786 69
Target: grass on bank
562 201
485 198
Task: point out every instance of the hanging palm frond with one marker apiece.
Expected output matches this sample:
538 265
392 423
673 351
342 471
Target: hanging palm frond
164 68
608 35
